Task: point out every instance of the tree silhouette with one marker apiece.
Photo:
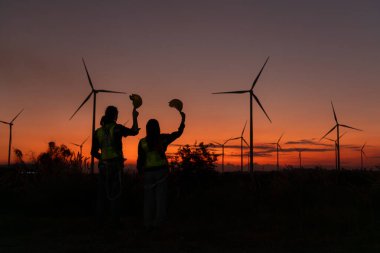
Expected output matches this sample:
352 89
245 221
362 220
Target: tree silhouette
194 158
59 159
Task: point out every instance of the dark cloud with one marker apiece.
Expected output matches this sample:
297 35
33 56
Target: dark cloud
303 145
308 142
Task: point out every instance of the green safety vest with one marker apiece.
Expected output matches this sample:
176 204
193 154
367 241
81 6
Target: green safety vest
153 158
106 141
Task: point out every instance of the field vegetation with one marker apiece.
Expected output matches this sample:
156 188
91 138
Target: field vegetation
49 207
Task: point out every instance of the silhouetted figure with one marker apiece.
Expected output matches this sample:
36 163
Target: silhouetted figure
108 138
153 164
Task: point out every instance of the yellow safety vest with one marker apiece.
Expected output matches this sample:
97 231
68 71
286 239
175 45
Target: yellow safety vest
106 141
153 158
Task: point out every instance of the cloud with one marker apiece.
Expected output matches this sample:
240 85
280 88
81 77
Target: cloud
308 142
267 150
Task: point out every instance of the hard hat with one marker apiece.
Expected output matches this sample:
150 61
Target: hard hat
177 104
137 100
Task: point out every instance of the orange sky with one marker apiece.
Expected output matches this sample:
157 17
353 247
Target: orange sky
187 51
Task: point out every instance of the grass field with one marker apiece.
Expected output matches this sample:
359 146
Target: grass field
286 211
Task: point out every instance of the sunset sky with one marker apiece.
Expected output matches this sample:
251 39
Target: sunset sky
319 51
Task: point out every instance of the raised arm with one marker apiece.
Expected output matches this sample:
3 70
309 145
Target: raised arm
135 114
135 127
175 135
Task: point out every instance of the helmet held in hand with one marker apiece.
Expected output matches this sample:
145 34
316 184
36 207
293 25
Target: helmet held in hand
177 104
136 99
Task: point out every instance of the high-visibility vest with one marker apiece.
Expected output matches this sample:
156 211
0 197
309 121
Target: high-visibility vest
153 158
106 141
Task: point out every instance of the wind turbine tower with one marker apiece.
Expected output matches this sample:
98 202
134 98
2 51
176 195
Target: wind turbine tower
300 157
242 140
10 135
251 97
222 145
335 149
278 147
361 157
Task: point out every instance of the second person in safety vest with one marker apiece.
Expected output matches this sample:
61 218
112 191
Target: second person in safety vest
152 163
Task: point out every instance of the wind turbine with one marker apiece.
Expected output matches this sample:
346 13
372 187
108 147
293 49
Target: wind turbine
251 97
278 147
222 145
80 146
337 125
300 157
93 92
10 135
241 146
361 156
336 145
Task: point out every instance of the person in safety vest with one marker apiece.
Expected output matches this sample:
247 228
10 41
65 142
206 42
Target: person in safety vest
108 139
152 163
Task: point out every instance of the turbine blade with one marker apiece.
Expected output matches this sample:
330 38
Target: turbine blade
227 141
4 122
245 142
88 75
332 129
232 139
85 140
279 146
280 138
17 116
87 98
350 127
336 119
262 108
217 143
329 139
342 135
242 133
75 144
232 92
111 91
258 76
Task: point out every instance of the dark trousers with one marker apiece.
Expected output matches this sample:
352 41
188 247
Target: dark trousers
109 190
155 197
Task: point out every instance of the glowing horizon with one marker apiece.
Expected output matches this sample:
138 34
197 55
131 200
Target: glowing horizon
188 51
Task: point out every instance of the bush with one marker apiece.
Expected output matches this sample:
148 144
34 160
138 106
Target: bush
60 159
194 158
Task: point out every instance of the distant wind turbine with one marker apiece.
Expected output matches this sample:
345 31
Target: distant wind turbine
10 135
222 145
93 92
300 157
336 148
278 147
361 156
242 140
251 97
337 125
80 146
